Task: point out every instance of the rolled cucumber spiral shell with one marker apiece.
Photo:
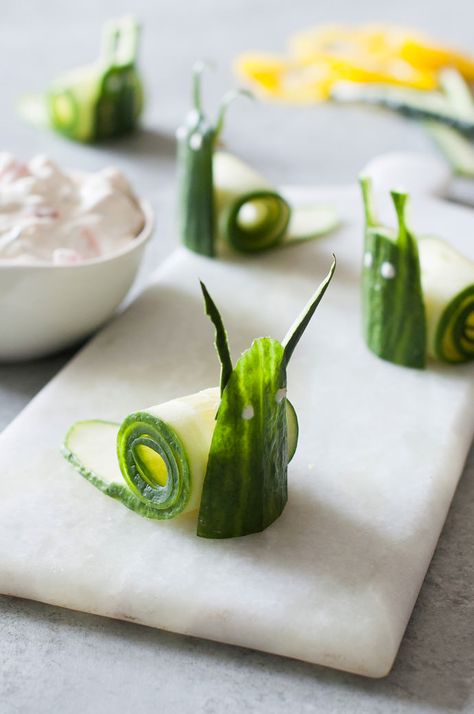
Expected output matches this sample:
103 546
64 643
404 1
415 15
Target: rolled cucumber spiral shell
447 279
251 215
162 454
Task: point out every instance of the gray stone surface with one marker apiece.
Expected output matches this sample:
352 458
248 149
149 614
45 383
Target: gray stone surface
53 660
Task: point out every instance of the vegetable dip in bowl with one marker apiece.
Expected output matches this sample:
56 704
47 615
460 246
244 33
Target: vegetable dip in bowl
70 247
53 216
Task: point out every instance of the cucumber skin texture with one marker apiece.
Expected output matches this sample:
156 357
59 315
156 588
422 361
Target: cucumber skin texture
393 311
245 488
196 222
117 110
388 302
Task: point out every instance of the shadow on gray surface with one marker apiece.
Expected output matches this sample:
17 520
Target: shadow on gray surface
20 381
144 142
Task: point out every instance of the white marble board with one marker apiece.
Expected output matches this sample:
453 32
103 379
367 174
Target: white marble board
381 449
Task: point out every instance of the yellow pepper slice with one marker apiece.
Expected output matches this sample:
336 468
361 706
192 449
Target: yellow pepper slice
433 57
321 56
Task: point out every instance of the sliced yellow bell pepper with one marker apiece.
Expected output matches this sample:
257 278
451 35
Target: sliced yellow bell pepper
433 57
321 56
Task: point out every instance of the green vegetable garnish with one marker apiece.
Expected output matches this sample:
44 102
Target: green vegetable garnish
221 200
417 295
223 451
392 301
245 488
98 101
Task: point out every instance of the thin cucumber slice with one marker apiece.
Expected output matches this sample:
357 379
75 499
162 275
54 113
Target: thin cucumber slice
250 214
392 301
410 102
457 92
447 279
457 149
155 462
293 429
310 222
91 447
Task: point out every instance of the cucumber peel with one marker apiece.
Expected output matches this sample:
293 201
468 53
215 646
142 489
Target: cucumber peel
417 294
392 301
224 451
413 103
245 488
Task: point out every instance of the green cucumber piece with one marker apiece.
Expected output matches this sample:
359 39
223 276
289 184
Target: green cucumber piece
310 222
195 148
224 451
245 488
457 149
251 215
196 141
412 103
161 454
458 93
98 101
293 429
91 448
447 279
392 301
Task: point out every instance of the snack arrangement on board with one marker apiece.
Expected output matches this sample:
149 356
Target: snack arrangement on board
220 455
223 451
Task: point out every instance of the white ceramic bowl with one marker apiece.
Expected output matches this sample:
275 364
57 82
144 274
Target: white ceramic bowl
45 308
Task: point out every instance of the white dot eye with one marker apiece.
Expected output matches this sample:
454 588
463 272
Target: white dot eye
368 260
248 412
195 141
280 395
387 270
